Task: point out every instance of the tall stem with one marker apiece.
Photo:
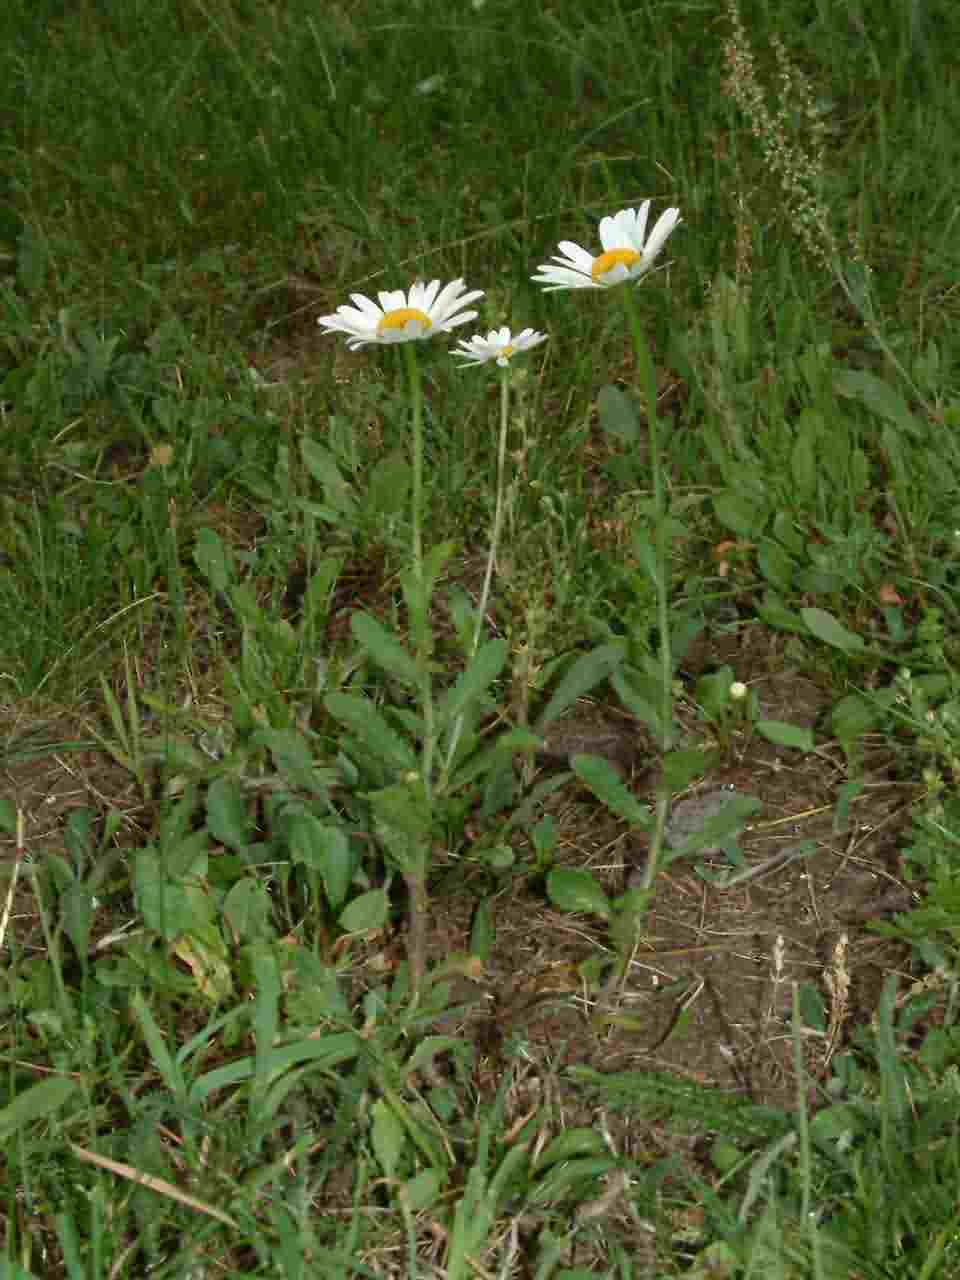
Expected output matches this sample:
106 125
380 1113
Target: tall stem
415 873
494 545
648 381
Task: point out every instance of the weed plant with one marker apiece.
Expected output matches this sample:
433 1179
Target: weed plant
286 628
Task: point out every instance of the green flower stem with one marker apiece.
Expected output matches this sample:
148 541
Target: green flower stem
648 381
494 544
416 406
421 620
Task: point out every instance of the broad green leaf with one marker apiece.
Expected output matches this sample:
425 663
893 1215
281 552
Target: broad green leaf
388 1137
388 485
8 816
35 1103
365 721
204 953
472 683
572 889
213 560
421 1192
680 768
712 692
247 910
571 1176
717 829
227 818
386 650
739 512
803 463
852 717
879 397
786 735
775 613
293 758
573 1143
483 931
76 908
618 415
825 627
608 786
322 466
775 565
492 757
169 906
640 694
587 672
368 911
325 849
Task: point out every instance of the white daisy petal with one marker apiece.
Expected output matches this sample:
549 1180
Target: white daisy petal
658 236
364 304
640 224
429 295
498 345
575 255
624 257
422 312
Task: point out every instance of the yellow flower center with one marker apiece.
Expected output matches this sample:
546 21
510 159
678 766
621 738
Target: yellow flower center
507 350
401 317
612 258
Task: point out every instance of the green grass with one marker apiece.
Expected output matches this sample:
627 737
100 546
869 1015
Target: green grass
212 674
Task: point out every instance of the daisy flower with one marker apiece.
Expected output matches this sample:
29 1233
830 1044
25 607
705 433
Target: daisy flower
423 311
499 345
625 255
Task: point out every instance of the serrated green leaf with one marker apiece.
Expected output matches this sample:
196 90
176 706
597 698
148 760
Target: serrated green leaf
587 672
480 673
365 721
294 760
786 735
608 786
825 627
572 889
386 649
322 466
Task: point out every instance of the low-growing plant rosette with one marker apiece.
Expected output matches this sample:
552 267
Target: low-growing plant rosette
628 255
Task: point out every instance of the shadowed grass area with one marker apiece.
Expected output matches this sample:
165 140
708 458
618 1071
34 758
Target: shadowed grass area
252 747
